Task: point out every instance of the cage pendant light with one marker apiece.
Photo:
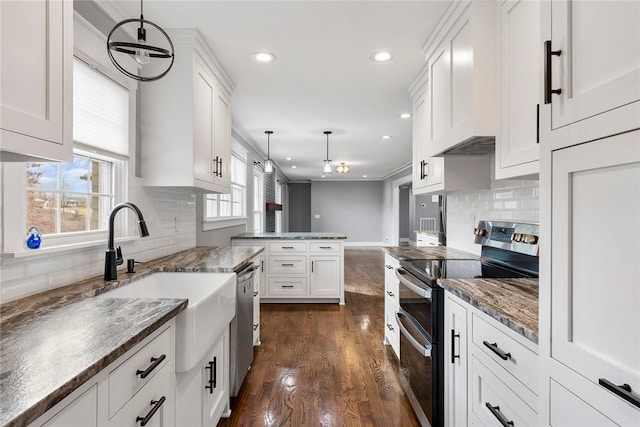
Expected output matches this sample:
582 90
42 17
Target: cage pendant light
327 162
142 52
268 164
342 168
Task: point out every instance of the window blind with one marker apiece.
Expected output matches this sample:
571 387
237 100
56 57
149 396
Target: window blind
100 110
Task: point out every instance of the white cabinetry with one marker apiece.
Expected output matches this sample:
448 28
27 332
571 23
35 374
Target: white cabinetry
598 66
517 149
425 240
186 121
301 270
36 41
456 359
258 285
391 303
139 385
461 94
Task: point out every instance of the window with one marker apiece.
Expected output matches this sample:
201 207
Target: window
258 200
229 206
278 201
78 196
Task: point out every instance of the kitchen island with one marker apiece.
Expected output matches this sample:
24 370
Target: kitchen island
299 267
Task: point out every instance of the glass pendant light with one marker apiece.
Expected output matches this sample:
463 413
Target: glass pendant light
342 168
327 162
268 164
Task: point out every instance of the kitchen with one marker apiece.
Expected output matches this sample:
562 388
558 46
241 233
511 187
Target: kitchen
588 147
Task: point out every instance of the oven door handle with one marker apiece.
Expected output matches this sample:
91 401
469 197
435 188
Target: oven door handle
417 287
424 350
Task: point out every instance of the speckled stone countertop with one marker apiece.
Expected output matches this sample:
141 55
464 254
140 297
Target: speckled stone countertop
291 236
52 342
512 302
427 252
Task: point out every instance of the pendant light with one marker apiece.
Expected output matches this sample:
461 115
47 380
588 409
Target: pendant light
142 52
327 162
342 168
268 164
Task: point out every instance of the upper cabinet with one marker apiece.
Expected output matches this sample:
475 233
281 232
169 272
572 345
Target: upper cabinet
36 41
592 77
517 148
462 86
186 120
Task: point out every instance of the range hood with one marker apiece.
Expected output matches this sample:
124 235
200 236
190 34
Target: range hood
476 145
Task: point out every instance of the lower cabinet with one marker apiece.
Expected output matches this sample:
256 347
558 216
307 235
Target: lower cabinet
202 394
258 286
391 304
426 240
490 370
325 276
139 386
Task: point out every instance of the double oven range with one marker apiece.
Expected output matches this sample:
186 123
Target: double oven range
509 250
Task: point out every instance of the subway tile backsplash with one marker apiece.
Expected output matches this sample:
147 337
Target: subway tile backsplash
169 214
507 200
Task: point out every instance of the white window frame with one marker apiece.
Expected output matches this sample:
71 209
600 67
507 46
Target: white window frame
214 223
258 200
14 226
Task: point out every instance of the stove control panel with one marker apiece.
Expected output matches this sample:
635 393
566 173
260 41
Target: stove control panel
513 236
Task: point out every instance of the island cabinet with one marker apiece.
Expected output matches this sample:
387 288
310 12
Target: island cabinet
36 81
195 144
139 385
462 83
301 270
391 304
491 372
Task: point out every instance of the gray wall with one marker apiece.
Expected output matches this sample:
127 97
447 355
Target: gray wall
352 208
405 217
387 205
300 207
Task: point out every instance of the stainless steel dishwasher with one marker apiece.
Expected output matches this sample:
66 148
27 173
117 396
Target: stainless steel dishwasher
242 329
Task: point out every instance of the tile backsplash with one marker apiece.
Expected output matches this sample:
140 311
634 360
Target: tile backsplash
507 200
170 217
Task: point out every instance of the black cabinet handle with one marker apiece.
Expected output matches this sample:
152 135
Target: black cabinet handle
325 247
220 171
156 405
454 356
423 164
390 294
214 172
495 410
155 361
255 294
286 265
388 267
537 123
624 391
389 326
255 326
262 266
287 247
548 53
211 366
497 350
312 266
286 286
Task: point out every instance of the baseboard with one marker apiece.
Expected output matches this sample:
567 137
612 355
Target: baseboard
363 244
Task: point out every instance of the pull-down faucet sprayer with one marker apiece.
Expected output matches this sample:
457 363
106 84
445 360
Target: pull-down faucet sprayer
113 258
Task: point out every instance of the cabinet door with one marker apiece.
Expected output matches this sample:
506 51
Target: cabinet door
439 121
517 142
36 40
419 142
222 139
82 412
456 363
325 276
204 95
595 273
598 69
215 384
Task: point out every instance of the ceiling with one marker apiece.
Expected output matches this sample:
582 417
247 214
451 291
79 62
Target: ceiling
323 77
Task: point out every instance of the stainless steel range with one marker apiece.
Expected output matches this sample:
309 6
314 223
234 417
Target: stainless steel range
509 250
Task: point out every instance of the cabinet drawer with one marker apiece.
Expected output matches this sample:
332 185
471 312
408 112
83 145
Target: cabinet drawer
81 412
287 286
487 389
333 247
126 380
568 409
287 246
296 264
521 362
424 240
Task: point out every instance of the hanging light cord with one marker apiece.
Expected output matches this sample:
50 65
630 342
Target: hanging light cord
268 145
327 147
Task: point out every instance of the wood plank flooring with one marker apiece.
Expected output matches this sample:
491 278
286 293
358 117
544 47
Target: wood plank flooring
325 364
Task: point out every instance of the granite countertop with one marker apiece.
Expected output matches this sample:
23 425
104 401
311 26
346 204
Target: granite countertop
427 252
512 302
52 342
291 236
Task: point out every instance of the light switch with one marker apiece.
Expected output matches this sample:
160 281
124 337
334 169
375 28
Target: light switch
317 216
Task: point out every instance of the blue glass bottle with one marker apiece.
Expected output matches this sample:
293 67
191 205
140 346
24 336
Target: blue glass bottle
34 237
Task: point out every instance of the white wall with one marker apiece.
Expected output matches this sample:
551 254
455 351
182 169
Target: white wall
507 199
388 206
349 207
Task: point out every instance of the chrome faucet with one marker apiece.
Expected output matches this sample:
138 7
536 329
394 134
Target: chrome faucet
113 258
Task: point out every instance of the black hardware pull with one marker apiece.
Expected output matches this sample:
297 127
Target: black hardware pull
215 162
255 326
255 294
220 167
548 53
325 247
211 366
286 286
454 356
389 267
287 265
155 361
537 123
389 326
312 266
287 247
390 294
495 410
624 391
497 350
156 405
262 266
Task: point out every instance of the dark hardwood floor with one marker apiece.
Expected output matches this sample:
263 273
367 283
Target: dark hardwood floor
325 364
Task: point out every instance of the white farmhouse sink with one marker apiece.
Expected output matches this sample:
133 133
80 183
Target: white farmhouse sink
212 305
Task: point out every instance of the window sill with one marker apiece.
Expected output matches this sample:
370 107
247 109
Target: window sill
216 224
62 249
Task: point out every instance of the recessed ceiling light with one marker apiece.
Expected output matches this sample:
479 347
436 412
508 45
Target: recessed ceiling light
381 56
288 158
364 176
386 137
405 115
293 167
263 57
323 176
